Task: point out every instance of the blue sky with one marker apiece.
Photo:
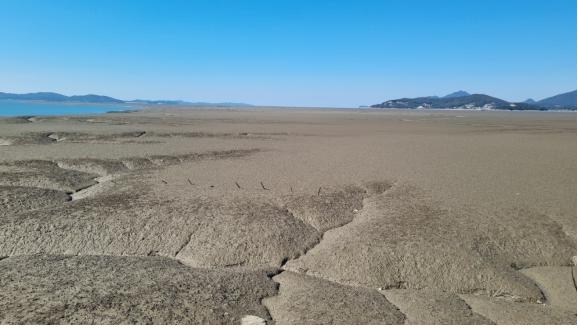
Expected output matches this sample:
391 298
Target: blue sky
298 52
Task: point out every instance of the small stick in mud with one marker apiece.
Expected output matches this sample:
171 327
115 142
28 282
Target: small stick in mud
291 188
164 182
263 186
237 184
319 191
190 182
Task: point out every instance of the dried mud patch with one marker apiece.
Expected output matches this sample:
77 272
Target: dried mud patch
505 312
241 233
306 300
402 239
93 166
200 232
52 289
333 207
15 199
329 208
433 307
130 137
44 174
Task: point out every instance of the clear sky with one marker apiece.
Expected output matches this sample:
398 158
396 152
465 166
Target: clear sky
293 52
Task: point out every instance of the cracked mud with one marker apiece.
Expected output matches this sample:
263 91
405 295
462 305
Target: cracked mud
184 217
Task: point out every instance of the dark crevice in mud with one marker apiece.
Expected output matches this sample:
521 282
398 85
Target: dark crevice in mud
50 137
473 311
69 198
271 275
83 188
187 241
405 318
3 257
373 189
284 260
274 272
269 317
502 295
542 300
396 285
54 138
573 277
233 265
74 195
367 194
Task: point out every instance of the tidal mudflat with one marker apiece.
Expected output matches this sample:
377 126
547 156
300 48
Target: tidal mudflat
183 215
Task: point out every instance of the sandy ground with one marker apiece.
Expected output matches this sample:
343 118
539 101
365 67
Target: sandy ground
289 216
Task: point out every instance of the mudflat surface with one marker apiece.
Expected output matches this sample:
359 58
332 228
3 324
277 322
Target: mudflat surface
182 215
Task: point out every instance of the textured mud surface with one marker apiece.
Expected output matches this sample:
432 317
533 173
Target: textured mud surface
303 299
431 306
126 290
255 216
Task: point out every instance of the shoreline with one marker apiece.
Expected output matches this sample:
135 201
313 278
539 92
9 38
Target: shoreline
134 108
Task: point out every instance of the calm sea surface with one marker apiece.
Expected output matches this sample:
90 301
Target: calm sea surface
18 108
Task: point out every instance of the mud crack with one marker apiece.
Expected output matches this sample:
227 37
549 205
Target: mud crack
370 190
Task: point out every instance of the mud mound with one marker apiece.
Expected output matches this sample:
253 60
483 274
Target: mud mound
14 200
137 163
245 232
77 137
126 290
163 160
311 301
15 120
401 239
75 174
202 232
557 284
433 307
32 138
44 174
505 312
93 166
329 208
45 138
521 239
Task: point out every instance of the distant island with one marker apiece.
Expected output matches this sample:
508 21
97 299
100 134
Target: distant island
98 99
465 100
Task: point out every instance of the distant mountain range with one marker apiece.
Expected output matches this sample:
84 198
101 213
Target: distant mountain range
51 96
56 97
563 100
464 100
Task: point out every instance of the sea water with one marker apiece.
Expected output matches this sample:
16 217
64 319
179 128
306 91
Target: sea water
29 108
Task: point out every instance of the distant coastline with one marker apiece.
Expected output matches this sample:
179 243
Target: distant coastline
464 100
39 107
51 103
100 99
